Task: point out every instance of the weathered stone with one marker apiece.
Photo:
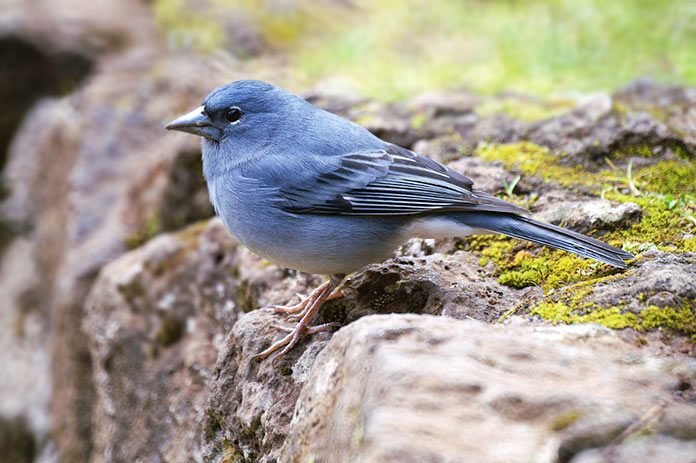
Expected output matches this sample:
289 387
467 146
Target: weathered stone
642 450
32 71
590 215
587 141
248 413
113 179
671 275
156 319
436 284
418 388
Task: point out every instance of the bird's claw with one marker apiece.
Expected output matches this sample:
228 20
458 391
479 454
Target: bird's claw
305 301
293 337
312 303
291 309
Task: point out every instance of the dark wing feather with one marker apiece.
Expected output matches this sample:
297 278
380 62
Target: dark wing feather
392 181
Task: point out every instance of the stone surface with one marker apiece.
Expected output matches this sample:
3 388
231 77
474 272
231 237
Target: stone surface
589 215
449 284
587 141
155 320
419 388
658 279
113 181
250 405
645 449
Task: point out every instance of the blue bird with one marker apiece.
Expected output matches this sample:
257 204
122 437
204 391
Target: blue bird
312 191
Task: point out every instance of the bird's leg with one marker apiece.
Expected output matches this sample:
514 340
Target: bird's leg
335 294
305 301
314 303
297 310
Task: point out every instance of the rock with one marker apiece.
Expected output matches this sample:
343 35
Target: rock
587 141
156 319
250 405
666 275
420 388
439 104
642 450
437 284
589 215
249 409
117 178
396 123
93 28
17 443
32 71
25 385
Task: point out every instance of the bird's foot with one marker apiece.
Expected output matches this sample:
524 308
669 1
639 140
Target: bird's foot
305 301
335 294
312 304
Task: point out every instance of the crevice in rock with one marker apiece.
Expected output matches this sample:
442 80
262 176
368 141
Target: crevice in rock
31 69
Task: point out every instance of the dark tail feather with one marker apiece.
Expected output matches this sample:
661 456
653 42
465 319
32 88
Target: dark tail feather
524 228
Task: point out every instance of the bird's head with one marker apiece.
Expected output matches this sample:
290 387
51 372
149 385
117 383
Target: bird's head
244 113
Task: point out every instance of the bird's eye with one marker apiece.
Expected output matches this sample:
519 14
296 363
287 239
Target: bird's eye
233 114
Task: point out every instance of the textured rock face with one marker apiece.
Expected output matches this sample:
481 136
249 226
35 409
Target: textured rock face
250 405
156 319
417 388
111 177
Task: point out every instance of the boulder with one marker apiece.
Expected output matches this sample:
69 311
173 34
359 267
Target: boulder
419 388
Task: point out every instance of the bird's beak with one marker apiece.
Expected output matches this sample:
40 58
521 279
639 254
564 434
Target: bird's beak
196 122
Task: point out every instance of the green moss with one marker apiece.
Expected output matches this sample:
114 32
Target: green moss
689 244
520 278
537 160
418 120
667 219
171 330
643 151
680 319
151 228
664 225
570 305
665 193
670 177
229 452
565 419
245 297
611 317
517 267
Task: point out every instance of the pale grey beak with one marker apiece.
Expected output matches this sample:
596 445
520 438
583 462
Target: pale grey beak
196 122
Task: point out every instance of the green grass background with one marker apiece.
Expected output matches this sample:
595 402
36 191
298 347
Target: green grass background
393 49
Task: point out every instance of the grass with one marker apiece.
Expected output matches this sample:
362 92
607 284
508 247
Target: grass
393 49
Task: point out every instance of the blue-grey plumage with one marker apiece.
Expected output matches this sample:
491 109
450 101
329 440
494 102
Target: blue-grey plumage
310 190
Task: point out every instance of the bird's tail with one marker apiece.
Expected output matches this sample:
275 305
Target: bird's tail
525 228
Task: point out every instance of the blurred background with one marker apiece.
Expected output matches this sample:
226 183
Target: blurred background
88 173
391 50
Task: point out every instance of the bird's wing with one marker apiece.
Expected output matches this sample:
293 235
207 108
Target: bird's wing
392 181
